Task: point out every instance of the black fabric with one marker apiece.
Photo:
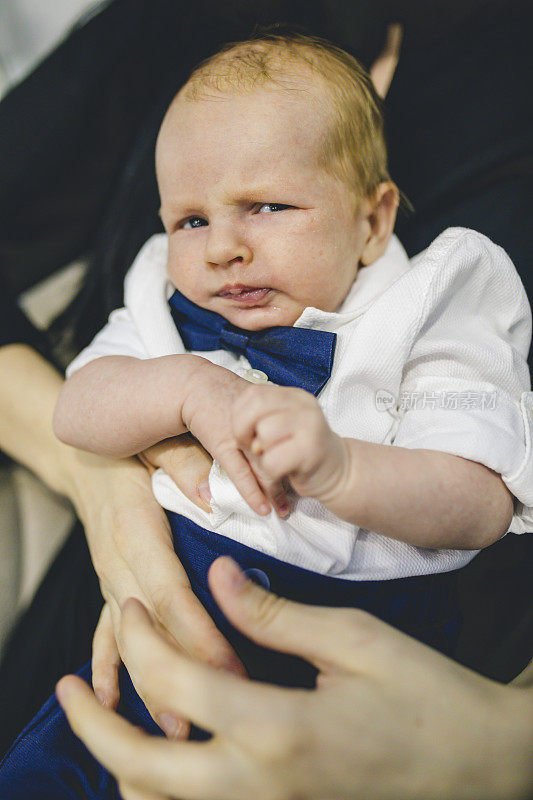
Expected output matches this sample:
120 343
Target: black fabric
461 138
14 325
495 592
52 638
66 130
76 176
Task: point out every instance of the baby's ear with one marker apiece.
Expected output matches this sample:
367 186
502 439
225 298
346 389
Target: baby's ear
381 216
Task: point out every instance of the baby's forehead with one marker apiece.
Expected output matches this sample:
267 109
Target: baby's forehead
295 108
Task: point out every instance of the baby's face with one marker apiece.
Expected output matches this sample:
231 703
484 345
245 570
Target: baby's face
257 229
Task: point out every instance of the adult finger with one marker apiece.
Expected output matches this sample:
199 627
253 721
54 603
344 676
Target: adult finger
188 687
166 590
383 69
129 792
173 725
191 771
105 660
146 566
186 462
331 638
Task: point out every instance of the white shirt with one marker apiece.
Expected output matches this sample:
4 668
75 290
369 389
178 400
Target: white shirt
431 353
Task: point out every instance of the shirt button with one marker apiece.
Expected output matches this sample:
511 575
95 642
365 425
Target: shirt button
255 376
258 576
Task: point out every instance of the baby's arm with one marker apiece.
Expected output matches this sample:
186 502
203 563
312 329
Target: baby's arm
422 497
119 406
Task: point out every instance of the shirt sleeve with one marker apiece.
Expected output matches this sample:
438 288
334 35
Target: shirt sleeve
118 338
466 387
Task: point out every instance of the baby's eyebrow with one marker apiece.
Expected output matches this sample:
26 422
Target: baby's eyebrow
179 210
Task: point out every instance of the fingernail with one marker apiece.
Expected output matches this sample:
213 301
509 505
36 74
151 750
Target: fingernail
62 691
171 726
234 665
231 576
204 491
101 698
264 508
284 510
256 447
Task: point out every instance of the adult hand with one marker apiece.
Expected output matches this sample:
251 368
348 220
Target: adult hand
131 546
389 719
188 464
383 69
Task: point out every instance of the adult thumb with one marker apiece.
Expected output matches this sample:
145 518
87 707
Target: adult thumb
330 638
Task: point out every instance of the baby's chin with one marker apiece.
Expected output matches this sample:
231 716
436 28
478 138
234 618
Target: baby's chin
260 317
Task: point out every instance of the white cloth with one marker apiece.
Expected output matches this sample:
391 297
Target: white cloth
431 353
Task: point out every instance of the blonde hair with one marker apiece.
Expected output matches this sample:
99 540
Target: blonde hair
354 148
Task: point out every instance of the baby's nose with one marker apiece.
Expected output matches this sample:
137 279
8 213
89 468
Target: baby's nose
225 245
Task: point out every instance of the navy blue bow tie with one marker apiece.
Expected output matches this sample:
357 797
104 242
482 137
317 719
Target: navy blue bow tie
289 356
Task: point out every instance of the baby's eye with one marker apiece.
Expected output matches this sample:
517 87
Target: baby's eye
193 222
270 207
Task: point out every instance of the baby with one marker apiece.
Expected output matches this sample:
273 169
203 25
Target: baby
393 426
392 434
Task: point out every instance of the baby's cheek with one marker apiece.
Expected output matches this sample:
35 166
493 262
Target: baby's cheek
180 274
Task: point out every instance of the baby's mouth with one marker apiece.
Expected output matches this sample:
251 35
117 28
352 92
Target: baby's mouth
244 294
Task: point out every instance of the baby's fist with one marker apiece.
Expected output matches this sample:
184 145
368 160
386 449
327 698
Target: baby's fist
285 432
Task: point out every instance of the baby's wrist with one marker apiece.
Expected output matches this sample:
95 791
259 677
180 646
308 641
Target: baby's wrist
194 385
202 381
335 477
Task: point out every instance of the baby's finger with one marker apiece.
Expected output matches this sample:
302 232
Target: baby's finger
275 490
240 472
278 497
255 403
275 428
281 460
276 493
105 661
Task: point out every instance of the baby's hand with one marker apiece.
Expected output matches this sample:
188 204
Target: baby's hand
287 434
207 413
